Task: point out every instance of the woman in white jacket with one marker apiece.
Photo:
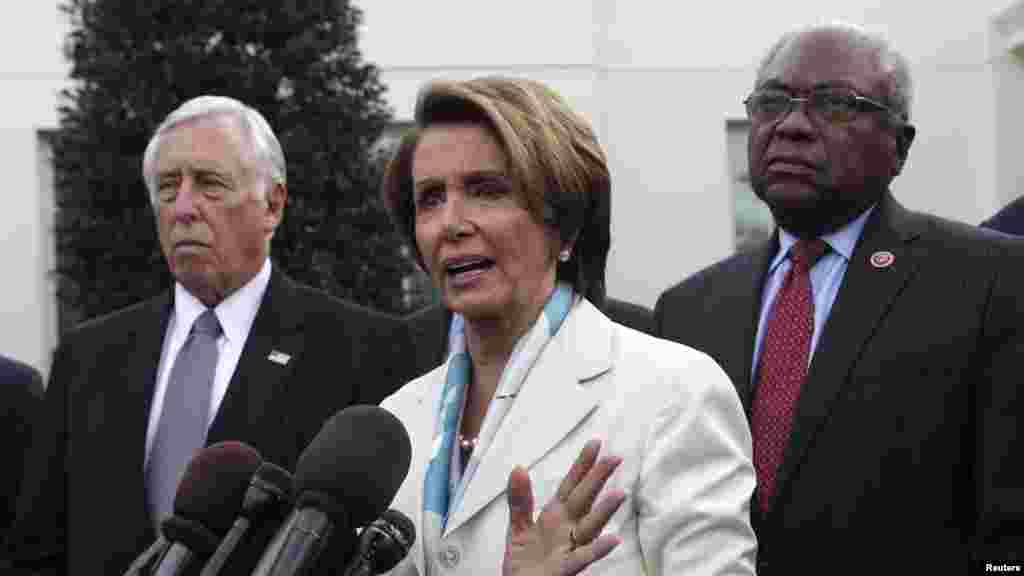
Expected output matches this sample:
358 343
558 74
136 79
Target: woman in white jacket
505 194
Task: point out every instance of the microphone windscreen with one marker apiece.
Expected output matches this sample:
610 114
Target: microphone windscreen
358 460
214 485
389 557
274 480
194 536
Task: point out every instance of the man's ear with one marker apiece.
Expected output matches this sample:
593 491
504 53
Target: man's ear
904 138
277 198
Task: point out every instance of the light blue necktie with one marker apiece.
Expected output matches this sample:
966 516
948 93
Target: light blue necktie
186 410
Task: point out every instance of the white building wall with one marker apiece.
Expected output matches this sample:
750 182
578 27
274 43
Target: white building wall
32 71
659 80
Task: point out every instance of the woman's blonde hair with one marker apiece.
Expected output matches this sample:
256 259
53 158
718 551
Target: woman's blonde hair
551 152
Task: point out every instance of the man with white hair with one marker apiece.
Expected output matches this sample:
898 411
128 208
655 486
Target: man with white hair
234 351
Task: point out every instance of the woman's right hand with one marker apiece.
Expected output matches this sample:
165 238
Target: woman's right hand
566 537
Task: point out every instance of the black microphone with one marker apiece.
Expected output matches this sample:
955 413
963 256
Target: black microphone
345 478
143 563
383 544
266 502
208 496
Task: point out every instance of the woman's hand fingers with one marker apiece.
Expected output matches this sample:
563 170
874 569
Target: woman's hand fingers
584 462
566 537
520 501
590 525
584 556
583 495
523 543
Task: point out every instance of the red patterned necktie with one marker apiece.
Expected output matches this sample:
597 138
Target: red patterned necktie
784 356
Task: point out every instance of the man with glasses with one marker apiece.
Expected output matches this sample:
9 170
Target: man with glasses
878 351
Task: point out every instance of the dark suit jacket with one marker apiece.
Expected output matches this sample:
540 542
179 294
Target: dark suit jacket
1010 219
635 316
429 327
905 426
83 507
21 388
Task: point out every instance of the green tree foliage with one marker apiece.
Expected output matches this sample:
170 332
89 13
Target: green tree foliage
296 62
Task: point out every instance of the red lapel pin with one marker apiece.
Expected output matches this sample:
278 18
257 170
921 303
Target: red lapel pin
882 259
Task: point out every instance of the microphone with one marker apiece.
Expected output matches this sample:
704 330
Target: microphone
341 482
383 544
143 563
209 494
266 501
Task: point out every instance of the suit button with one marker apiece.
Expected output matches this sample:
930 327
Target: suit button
450 557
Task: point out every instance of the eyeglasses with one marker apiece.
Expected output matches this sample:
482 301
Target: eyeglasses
834 106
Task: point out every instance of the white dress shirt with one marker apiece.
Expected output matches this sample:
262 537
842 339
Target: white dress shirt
235 314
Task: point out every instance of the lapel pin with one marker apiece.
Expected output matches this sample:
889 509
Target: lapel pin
882 259
279 357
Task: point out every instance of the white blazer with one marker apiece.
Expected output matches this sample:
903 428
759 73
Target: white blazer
668 410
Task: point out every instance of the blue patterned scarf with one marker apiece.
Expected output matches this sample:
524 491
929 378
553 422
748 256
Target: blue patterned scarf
441 492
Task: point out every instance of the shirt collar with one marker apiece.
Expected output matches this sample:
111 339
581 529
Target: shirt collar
841 241
235 313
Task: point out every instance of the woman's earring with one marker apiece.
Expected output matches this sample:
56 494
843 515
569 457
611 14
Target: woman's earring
564 255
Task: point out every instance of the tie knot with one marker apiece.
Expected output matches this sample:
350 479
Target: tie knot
805 253
207 324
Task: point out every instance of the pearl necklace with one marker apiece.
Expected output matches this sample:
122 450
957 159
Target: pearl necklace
467 445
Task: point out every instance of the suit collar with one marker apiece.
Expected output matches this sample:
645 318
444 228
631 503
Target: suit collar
112 408
842 241
235 313
146 337
579 352
592 358
744 298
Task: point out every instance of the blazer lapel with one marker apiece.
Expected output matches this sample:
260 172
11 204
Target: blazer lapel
421 430
743 298
142 366
741 305
865 298
580 351
260 379
114 410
